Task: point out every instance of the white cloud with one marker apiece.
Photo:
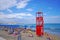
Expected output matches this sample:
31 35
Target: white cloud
17 18
30 9
5 4
52 19
10 11
22 4
15 15
25 14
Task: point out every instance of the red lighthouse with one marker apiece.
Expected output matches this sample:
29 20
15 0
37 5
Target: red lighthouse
39 24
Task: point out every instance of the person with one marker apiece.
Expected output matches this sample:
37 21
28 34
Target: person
11 30
48 38
25 26
19 35
24 30
30 35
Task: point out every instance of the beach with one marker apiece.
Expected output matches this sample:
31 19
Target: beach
1 38
27 35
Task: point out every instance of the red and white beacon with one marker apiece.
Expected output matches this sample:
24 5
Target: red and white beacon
39 24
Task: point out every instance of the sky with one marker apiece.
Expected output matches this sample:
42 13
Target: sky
24 11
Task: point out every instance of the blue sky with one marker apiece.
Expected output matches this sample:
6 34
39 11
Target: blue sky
24 11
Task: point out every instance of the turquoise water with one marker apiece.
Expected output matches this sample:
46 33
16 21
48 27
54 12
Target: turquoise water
52 28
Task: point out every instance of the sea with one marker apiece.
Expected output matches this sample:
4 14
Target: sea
52 28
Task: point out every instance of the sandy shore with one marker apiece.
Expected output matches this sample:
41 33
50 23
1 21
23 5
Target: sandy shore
1 38
28 35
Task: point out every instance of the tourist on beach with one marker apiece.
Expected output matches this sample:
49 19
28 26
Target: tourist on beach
48 38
